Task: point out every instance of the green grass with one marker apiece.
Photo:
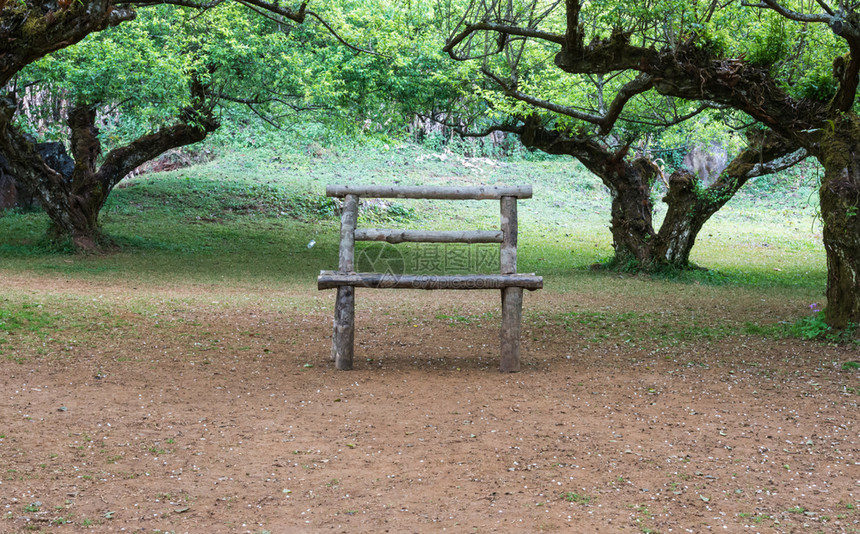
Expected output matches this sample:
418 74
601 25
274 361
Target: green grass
22 316
246 219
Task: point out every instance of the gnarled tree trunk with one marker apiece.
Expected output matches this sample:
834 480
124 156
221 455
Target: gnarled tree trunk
683 220
840 210
629 184
690 206
632 228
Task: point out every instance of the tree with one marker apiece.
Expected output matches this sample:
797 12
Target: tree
38 29
631 182
559 115
770 70
163 78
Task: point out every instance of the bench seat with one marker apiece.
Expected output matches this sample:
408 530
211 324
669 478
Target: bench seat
333 279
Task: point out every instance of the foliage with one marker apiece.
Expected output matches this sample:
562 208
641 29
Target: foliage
818 84
139 73
769 44
405 74
812 326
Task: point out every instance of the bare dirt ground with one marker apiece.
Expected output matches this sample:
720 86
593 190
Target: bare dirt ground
228 417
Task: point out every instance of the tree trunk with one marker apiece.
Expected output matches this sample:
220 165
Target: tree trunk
633 235
88 190
690 206
684 219
27 166
80 224
688 210
840 211
636 244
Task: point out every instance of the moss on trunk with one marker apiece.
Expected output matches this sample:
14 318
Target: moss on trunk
840 211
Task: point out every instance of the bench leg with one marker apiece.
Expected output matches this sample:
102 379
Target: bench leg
334 335
512 313
344 328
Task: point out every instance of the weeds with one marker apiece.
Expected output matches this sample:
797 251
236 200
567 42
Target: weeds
756 518
578 498
814 326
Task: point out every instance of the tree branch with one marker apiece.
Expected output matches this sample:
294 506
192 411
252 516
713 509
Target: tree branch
677 119
504 29
595 156
638 85
504 127
573 35
768 153
778 164
295 16
544 104
251 102
196 122
825 7
846 69
263 13
789 14
182 3
341 39
28 167
22 44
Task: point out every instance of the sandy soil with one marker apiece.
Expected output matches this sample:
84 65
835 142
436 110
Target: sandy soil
230 418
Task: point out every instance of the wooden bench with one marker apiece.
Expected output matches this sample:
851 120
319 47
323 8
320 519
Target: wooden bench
345 279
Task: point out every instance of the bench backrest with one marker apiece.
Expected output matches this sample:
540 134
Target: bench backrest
506 236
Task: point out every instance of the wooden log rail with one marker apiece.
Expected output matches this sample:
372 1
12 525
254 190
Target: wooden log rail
481 192
419 236
511 283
